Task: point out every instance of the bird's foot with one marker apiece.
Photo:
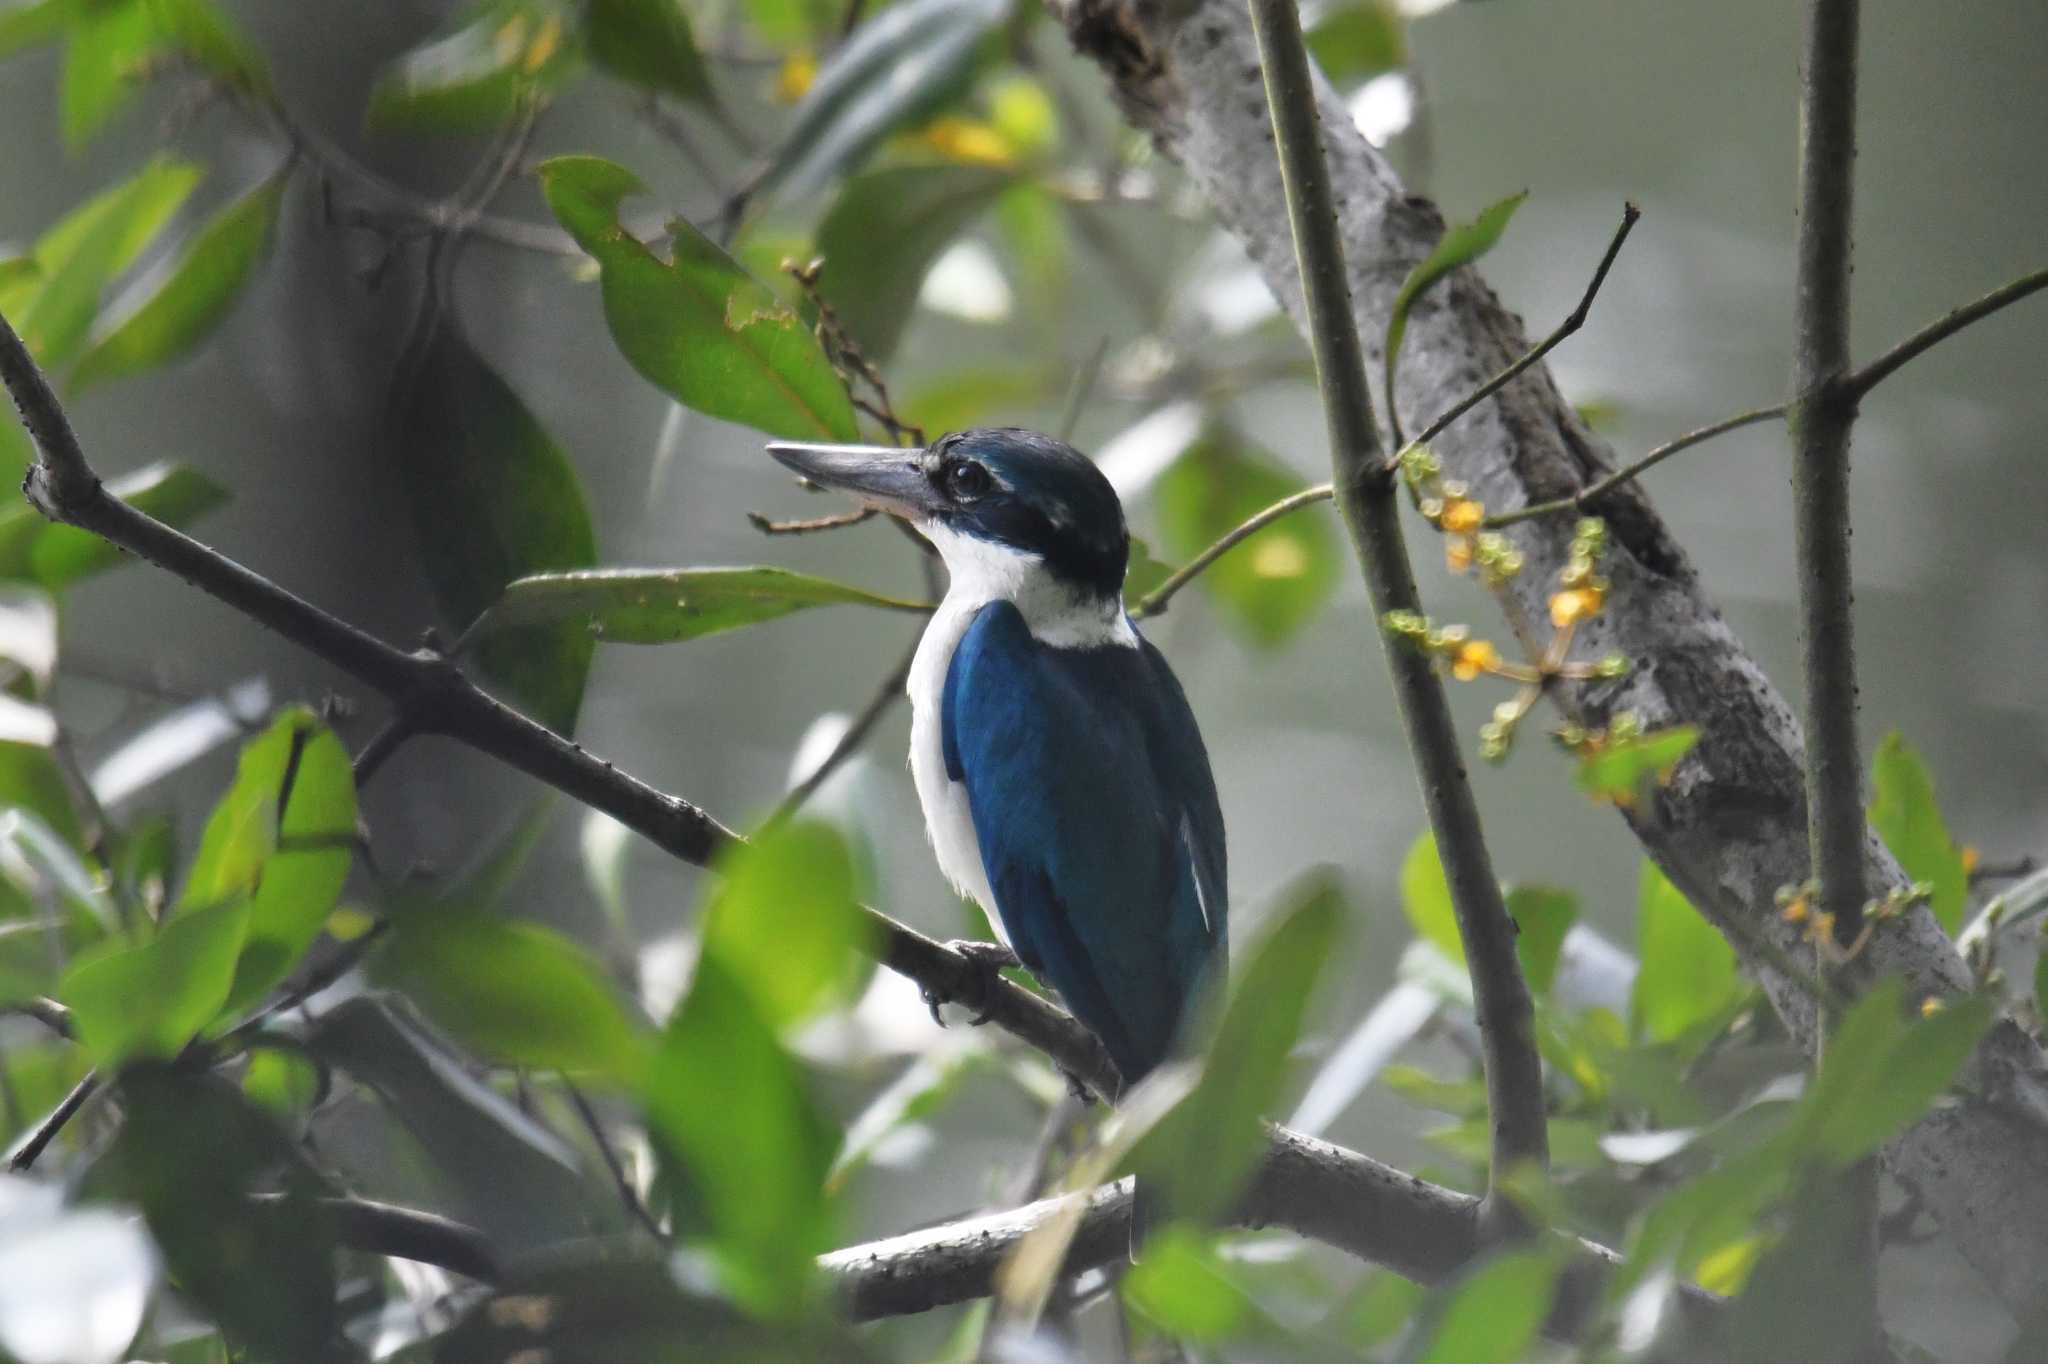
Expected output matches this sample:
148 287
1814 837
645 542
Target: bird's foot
988 959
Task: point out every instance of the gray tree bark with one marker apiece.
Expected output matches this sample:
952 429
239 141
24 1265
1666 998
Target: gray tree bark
1730 829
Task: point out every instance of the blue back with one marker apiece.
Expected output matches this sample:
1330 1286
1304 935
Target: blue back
1098 822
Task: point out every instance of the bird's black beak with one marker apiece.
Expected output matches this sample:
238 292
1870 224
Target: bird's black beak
882 476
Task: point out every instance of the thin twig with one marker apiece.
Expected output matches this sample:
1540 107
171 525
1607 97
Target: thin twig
1575 320
811 525
1880 369
33 1145
1367 494
887 693
1579 501
47 1012
1083 389
628 1195
1155 601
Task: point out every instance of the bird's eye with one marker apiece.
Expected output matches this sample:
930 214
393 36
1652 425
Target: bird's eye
967 480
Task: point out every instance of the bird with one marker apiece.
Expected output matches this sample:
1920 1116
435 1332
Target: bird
1062 776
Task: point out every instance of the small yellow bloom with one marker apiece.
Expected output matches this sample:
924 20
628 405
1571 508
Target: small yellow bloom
1575 604
1462 515
1474 658
545 45
799 69
1795 910
1458 552
1971 857
1930 1006
969 142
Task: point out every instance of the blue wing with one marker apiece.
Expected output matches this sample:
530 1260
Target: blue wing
1098 823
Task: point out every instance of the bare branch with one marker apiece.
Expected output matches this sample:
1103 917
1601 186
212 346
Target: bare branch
812 525
1155 601
1882 368
1367 495
32 1146
1583 499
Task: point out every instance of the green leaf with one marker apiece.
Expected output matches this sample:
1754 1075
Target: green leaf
1906 817
149 1000
292 867
205 34
1033 224
1882 1069
899 66
1460 244
1143 574
1272 584
477 78
1542 916
518 992
883 233
171 314
785 921
78 256
727 1102
34 549
110 42
1202 1152
697 326
282 1082
1182 1286
1426 898
648 42
1619 771
30 779
1496 1310
975 397
24 23
1687 977
668 606
1359 40
494 498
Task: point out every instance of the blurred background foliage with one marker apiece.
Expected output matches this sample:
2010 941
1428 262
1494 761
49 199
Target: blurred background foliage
399 302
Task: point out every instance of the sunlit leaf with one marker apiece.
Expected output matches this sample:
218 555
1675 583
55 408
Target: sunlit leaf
1687 977
508 53
1426 898
1201 1153
1882 1068
883 233
169 315
516 991
1542 916
1619 770
33 548
899 66
785 921
1183 1287
1496 1310
649 43
696 325
1358 40
150 999
1906 817
732 1107
109 43
1270 585
1461 244
494 498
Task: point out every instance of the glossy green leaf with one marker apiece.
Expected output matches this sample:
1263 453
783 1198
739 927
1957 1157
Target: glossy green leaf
78 256
24 23
150 999
1182 1286
1356 41
668 606
494 498
1883 1067
1904 813
1542 916
649 43
290 864
508 53
54 556
696 325
1272 584
516 991
732 1107
1619 771
882 235
1496 1310
110 42
1461 244
899 66
1687 975
170 314
785 921
1201 1153
1426 898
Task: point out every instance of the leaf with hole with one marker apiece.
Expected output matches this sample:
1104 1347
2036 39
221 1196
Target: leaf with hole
166 316
696 325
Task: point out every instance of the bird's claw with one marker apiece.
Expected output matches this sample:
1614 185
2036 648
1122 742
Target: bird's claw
987 959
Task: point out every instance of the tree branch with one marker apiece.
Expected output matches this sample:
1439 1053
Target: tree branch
1155 601
1934 333
1367 495
1583 499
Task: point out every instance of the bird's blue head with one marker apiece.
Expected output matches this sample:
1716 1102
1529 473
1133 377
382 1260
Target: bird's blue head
1001 486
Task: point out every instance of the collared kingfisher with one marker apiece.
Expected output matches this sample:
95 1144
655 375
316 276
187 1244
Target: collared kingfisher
1064 782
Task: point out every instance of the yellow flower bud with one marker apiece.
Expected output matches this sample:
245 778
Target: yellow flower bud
1474 658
